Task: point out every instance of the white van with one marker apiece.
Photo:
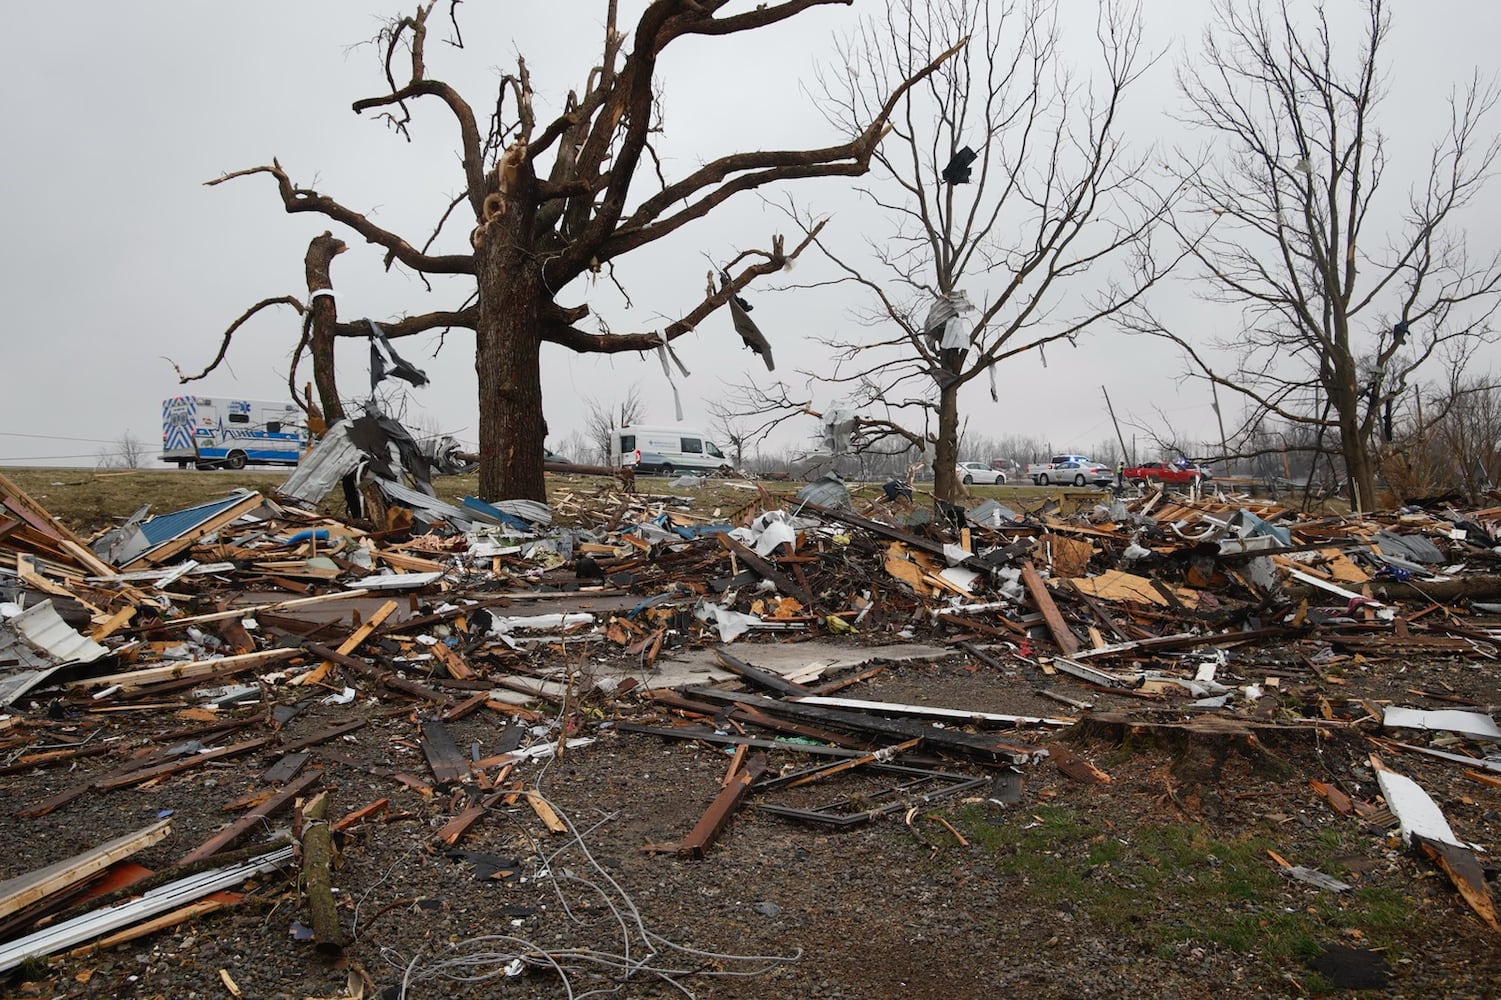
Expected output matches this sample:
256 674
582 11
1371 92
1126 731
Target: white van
667 450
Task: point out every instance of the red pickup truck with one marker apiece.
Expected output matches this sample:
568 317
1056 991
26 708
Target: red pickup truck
1164 472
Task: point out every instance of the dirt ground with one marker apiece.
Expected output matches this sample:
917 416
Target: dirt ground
1032 883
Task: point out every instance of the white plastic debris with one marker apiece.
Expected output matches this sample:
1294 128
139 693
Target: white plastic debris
344 697
731 624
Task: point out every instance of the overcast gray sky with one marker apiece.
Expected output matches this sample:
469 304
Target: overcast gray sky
116 256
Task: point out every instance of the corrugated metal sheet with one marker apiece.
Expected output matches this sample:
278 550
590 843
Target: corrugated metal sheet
406 496
332 458
165 527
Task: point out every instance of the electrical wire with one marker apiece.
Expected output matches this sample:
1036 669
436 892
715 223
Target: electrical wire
478 959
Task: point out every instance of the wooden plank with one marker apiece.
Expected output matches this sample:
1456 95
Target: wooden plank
714 819
325 735
361 814
1066 641
349 645
454 829
191 668
178 766
448 764
24 890
116 621
254 819
766 569
762 678
258 609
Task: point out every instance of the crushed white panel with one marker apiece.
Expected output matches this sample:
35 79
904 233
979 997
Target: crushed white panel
1476 724
535 622
159 900
964 579
45 631
929 711
397 581
1415 810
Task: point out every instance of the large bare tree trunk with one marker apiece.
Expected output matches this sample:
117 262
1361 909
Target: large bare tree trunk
317 265
508 363
946 450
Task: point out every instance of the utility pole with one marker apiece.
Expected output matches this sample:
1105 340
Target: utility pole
1118 436
1224 449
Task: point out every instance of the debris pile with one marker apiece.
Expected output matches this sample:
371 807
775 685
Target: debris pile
268 634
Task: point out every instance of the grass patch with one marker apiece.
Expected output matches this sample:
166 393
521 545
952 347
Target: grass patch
1169 885
90 500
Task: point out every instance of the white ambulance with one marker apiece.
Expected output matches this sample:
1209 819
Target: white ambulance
211 433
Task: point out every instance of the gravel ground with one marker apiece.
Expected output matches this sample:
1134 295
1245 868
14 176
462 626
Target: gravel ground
899 907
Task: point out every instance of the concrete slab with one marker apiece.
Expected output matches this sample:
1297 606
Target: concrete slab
801 661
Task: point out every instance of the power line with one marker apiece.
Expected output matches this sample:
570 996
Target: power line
45 458
54 437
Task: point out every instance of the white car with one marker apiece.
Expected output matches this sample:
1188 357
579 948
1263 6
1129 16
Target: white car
978 472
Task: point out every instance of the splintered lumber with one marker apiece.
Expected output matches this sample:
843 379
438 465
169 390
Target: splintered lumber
765 569
160 900
458 826
388 678
977 745
448 764
254 819
361 814
754 674
349 645
324 736
24 890
317 876
255 610
188 669
545 812
713 821
455 664
178 766
1065 639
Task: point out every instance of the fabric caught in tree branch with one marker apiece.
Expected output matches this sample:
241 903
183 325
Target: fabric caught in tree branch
746 327
380 351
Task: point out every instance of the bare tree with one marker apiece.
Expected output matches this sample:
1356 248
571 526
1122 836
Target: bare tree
601 419
127 452
554 203
1346 288
1017 218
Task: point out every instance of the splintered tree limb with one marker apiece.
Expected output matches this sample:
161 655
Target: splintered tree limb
317 876
295 199
280 300
577 340
606 236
